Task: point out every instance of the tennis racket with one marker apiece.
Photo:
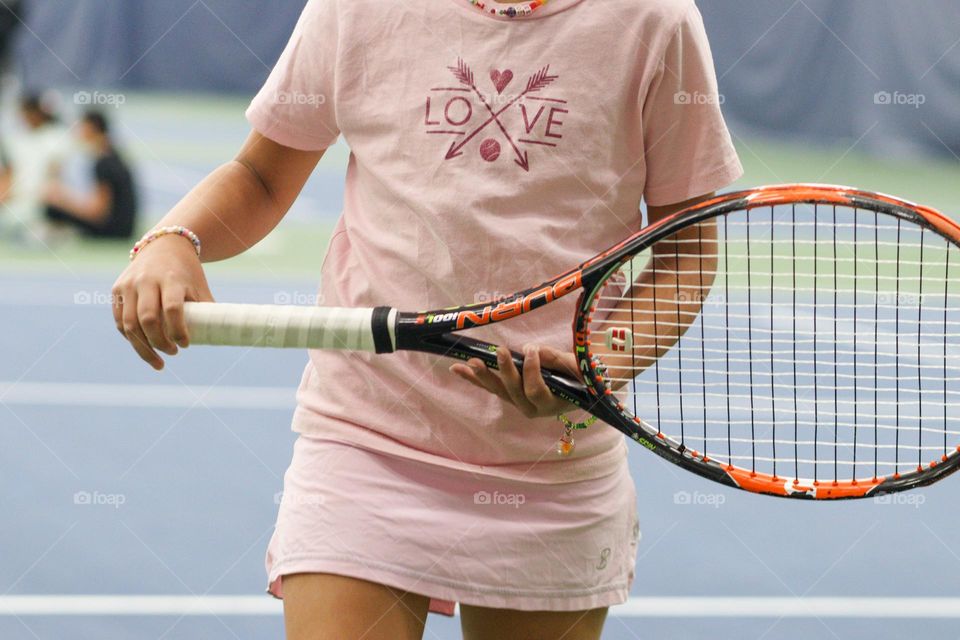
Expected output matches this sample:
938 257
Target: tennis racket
800 341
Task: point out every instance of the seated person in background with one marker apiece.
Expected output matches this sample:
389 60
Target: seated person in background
32 158
111 210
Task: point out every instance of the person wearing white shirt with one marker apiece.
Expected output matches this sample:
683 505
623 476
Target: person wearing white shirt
35 156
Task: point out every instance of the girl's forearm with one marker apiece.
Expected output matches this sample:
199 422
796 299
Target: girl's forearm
230 211
237 205
665 300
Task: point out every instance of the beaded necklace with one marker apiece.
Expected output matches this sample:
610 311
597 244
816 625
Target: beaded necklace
511 12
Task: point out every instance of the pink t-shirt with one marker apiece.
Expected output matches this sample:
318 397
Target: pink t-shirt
487 154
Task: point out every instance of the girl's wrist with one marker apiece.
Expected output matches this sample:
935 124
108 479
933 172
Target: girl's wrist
166 235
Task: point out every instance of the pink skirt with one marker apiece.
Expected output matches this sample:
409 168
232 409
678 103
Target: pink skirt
452 535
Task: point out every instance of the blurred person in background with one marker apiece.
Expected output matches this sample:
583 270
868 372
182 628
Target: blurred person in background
33 157
10 21
110 210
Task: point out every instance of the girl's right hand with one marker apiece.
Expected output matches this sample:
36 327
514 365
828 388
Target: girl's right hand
148 297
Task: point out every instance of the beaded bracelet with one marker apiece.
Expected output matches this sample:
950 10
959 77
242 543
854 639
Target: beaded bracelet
159 232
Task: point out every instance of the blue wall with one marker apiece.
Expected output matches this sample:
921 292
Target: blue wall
210 45
845 72
883 75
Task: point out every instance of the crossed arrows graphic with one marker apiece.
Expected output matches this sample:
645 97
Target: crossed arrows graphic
464 74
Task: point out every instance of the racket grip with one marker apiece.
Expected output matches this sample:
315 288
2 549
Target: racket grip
286 326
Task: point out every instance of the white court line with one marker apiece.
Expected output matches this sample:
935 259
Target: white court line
262 605
76 394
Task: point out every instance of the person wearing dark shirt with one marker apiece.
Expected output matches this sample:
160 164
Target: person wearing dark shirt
110 210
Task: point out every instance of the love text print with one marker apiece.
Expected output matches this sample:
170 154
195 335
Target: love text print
486 123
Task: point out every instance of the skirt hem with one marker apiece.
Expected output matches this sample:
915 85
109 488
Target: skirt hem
444 594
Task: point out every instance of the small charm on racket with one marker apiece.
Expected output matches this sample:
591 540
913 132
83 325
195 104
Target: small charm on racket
566 443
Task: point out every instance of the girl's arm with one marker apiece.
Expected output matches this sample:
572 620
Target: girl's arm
230 210
667 295
678 291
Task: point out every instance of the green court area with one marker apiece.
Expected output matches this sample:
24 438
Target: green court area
294 249
174 141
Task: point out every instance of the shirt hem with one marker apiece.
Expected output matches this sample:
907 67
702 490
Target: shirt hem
560 471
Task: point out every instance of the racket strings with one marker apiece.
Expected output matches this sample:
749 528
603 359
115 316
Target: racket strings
844 280
920 361
818 342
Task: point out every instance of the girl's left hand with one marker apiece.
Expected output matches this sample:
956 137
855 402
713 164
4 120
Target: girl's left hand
527 392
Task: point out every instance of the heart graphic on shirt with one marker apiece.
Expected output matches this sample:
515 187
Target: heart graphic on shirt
501 79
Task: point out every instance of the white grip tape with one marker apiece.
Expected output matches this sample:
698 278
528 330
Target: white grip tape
263 325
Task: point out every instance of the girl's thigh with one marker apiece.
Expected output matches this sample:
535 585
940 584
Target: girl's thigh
479 623
320 606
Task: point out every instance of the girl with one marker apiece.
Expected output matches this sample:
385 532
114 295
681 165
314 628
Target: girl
492 144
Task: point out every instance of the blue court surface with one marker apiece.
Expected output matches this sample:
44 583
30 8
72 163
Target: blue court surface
139 505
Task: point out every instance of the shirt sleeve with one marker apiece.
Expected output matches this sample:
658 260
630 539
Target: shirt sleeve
296 106
687 146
